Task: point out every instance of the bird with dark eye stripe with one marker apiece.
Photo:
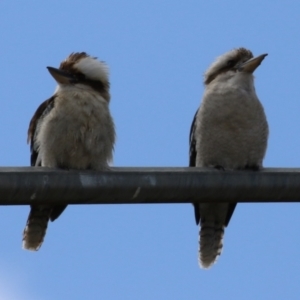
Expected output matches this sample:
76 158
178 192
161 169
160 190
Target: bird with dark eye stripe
229 132
71 130
231 63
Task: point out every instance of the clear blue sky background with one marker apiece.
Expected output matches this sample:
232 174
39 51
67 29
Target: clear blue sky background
157 52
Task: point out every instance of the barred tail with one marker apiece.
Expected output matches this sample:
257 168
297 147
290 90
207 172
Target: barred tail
36 227
210 243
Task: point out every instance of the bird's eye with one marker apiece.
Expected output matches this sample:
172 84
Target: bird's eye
231 63
80 76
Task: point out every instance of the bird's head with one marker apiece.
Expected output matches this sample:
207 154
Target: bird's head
80 68
236 60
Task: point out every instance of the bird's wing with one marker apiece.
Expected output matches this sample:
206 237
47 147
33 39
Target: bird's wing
231 208
34 127
193 152
193 155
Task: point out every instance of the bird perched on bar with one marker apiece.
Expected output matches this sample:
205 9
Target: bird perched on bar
71 130
229 132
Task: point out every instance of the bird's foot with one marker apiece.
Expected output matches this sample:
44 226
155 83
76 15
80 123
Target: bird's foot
251 167
218 167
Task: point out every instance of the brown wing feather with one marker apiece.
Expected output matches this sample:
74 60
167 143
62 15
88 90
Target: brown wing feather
34 125
33 130
193 156
192 161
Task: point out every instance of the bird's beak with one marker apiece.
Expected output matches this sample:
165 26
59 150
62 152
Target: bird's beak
61 76
250 65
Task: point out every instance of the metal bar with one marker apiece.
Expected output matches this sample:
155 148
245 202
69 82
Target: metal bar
27 185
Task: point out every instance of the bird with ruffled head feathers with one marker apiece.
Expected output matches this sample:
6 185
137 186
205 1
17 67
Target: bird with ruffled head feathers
71 130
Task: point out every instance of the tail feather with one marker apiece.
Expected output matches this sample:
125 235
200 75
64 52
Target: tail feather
210 243
36 227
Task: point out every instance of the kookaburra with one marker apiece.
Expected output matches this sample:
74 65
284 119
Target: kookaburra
229 132
71 130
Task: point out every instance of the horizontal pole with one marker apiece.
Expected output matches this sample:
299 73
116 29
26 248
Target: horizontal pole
29 185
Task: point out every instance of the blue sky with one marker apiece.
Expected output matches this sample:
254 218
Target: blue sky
157 52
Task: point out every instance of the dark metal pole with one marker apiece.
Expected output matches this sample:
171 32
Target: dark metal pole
147 185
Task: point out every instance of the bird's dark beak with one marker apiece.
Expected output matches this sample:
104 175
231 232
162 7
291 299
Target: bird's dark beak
250 65
61 76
